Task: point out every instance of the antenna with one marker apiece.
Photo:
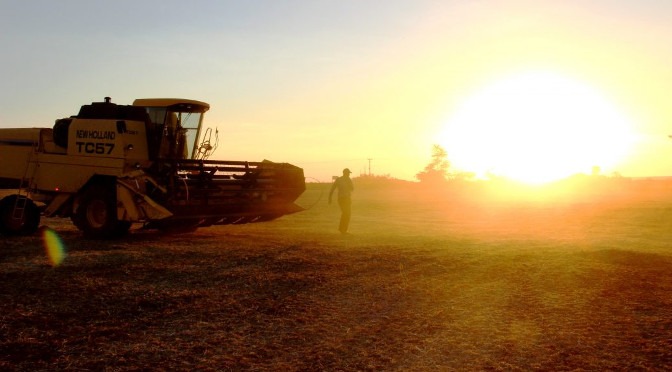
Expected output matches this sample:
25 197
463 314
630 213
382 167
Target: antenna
369 159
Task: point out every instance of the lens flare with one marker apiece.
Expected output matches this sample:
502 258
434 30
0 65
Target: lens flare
54 247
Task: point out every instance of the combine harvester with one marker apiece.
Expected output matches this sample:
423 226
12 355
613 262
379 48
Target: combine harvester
114 165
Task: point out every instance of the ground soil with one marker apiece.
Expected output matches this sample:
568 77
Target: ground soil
424 281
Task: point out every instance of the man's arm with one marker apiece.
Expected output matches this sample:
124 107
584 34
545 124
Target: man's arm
331 192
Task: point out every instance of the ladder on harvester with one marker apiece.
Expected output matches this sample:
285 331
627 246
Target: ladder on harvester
21 201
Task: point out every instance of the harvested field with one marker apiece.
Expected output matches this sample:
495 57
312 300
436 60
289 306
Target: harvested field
424 282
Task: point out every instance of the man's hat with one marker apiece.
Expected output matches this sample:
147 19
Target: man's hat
346 170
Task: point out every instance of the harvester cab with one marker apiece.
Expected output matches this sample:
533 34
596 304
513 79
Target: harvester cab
174 127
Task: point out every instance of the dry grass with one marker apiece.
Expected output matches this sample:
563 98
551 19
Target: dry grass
423 283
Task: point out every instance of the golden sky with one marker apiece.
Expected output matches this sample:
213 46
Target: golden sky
528 89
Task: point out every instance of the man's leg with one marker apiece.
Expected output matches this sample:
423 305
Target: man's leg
346 210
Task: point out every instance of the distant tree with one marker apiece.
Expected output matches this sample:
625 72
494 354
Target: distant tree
437 169
595 171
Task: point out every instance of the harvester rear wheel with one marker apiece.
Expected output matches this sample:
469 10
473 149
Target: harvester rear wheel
28 220
96 215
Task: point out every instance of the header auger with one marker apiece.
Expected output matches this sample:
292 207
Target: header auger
111 166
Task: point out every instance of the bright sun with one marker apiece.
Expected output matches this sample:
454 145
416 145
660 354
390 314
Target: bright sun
536 127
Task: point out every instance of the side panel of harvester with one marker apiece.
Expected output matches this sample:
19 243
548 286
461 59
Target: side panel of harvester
18 214
118 139
64 167
16 149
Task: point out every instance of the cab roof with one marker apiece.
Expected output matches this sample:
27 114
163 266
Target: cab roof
178 104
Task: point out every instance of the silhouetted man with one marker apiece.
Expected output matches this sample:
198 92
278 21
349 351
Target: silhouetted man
345 188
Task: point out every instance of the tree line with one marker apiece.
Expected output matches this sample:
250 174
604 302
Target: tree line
438 170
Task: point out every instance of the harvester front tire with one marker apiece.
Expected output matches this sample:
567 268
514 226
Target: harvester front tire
96 215
27 225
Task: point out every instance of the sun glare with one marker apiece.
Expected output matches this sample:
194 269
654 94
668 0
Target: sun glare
536 127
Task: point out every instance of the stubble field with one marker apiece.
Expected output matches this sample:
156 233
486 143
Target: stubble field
425 281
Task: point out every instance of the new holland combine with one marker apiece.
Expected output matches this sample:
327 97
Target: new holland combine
111 166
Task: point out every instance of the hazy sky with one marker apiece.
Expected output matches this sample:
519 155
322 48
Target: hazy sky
329 84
